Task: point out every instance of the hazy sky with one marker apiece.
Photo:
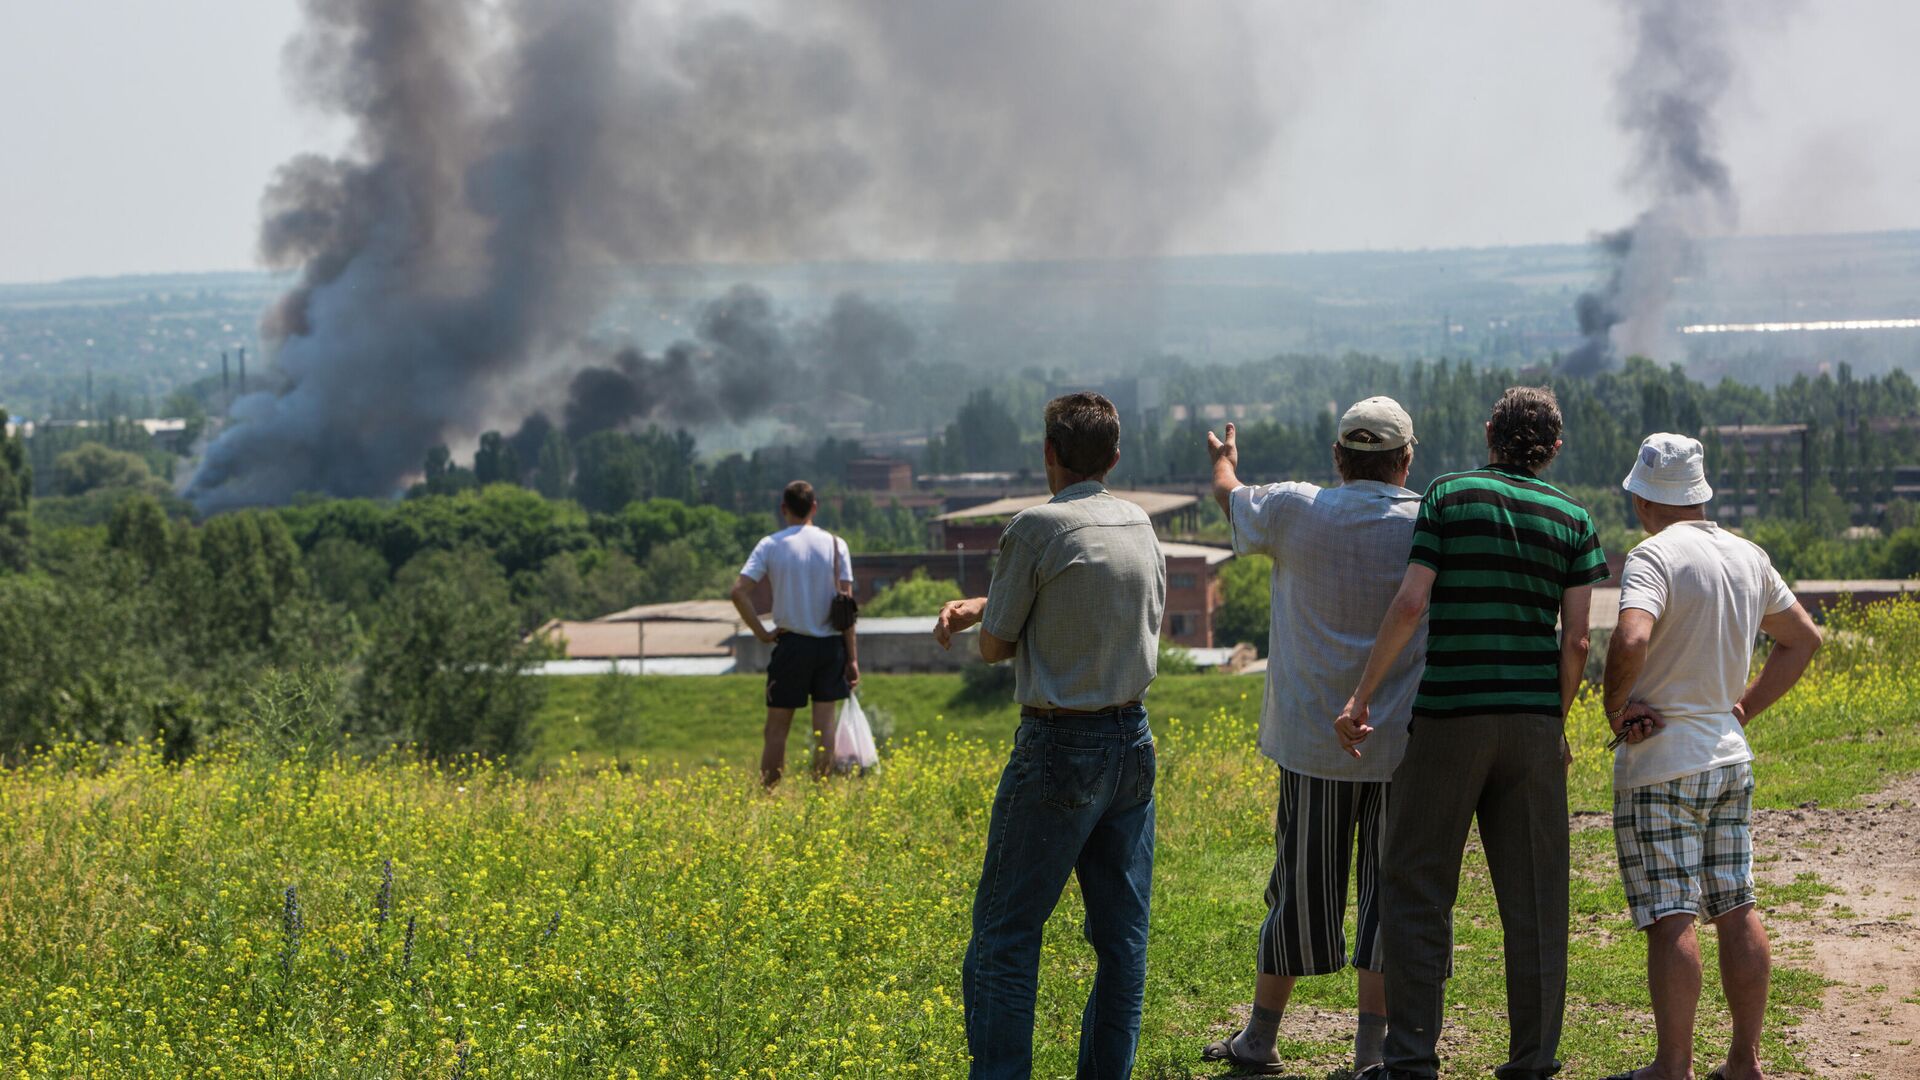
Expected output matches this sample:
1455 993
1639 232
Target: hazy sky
138 135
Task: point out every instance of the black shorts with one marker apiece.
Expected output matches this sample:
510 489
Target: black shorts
807 667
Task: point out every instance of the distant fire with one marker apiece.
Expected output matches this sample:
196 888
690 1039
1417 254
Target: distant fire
1781 327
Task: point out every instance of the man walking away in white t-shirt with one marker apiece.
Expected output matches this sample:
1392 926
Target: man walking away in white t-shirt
811 660
1693 600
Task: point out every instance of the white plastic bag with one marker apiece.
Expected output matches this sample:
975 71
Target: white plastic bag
853 738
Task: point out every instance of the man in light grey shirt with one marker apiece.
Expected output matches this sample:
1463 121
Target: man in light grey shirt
1054 591
1075 602
1338 556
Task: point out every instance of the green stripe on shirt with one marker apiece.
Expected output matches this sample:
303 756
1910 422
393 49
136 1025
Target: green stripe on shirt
1504 547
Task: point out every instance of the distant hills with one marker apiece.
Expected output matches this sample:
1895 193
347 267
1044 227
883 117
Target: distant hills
145 336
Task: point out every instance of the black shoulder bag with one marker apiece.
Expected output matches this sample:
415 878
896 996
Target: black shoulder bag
845 610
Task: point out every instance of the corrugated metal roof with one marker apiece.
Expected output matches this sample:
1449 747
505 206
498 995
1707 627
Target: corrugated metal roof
599 640
1210 657
666 665
685 610
1863 585
894 625
1173 549
1155 503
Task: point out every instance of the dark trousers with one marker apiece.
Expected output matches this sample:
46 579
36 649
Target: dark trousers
1076 798
1507 771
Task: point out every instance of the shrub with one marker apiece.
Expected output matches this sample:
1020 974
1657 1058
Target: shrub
445 667
916 594
73 662
1174 660
980 682
1244 613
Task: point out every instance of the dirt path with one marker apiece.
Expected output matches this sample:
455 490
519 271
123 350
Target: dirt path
1865 936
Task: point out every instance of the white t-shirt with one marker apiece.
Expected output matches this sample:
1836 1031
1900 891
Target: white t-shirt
1707 591
803 562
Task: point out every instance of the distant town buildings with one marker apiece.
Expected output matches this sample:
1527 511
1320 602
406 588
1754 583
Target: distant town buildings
876 474
168 433
1761 470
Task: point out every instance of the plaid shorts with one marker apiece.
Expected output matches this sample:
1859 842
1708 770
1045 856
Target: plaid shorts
1686 846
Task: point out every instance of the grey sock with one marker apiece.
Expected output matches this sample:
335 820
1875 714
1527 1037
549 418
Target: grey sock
1257 1038
1369 1041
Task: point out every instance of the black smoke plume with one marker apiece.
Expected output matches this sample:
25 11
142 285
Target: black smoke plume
739 359
510 159
1666 97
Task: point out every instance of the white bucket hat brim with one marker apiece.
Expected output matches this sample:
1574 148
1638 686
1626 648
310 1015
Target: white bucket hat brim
1668 494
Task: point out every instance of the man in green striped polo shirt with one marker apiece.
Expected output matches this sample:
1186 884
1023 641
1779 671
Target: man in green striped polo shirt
1498 558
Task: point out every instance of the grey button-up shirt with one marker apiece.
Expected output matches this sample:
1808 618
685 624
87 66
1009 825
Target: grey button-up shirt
1080 585
1338 556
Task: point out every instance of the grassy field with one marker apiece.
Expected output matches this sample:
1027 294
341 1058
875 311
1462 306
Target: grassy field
233 918
690 722
1832 739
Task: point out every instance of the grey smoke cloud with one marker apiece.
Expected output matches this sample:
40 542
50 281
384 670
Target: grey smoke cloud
1666 98
742 360
507 159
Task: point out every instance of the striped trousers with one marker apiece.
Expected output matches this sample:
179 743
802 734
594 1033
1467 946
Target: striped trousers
1314 837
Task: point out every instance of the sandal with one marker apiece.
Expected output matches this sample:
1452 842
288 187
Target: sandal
1224 1051
1719 1073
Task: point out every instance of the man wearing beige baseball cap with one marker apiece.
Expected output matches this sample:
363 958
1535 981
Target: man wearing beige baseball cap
1338 554
1693 598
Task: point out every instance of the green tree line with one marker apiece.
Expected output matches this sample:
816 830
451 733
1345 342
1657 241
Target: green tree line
405 621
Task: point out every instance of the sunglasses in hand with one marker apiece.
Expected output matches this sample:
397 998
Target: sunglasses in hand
1627 729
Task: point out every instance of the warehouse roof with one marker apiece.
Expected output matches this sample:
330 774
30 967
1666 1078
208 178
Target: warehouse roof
1173 549
680 610
1155 503
601 640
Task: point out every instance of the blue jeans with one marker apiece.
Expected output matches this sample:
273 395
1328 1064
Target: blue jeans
1076 797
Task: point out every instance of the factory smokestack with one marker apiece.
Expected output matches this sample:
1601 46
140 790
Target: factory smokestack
502 170
1666 98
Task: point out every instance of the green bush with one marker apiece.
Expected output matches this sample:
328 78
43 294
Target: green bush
982 682
445 667
916 594
1246 607
1174 659
75 663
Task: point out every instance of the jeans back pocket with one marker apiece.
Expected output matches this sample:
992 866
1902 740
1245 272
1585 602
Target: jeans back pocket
1149 752
1076 776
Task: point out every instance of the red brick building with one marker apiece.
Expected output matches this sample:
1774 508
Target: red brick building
1194 592
880 474
972 570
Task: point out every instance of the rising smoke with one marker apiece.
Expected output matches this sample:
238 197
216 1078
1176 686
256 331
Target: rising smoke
740 362
509 159
1666 97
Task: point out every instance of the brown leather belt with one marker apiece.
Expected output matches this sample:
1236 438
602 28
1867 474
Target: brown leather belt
1048 714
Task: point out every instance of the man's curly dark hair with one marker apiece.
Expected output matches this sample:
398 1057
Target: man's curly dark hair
1525 427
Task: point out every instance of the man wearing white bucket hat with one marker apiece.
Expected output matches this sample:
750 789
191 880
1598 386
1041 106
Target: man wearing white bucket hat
1693 599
